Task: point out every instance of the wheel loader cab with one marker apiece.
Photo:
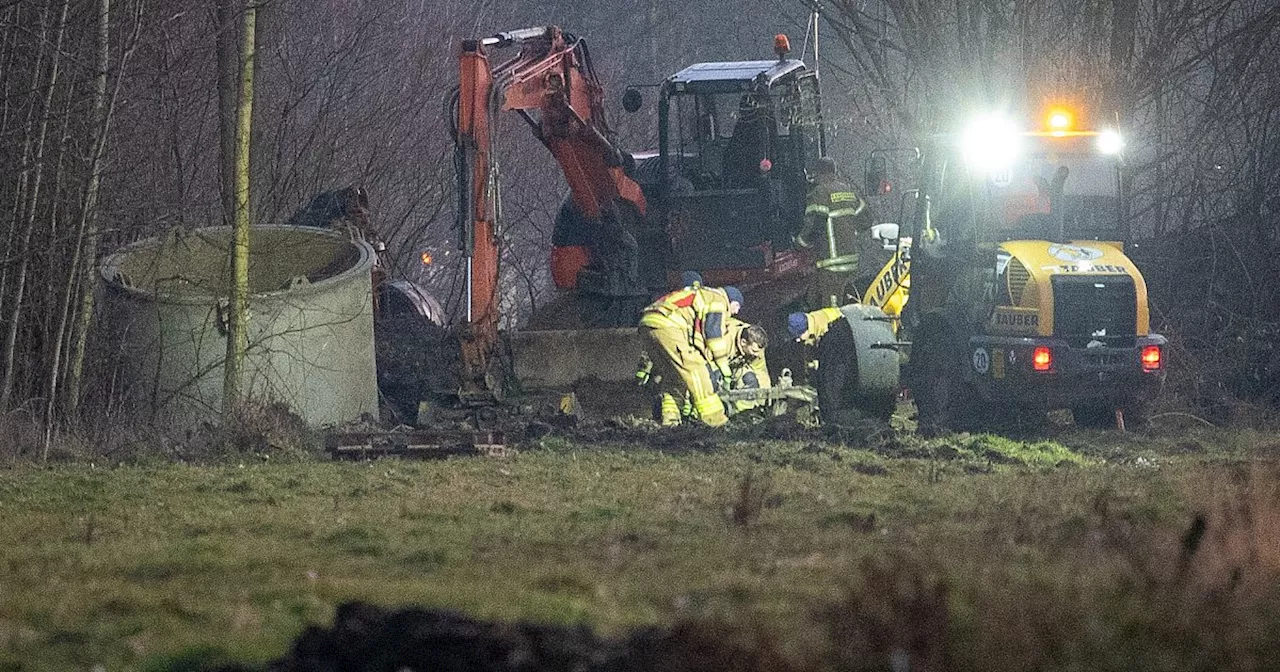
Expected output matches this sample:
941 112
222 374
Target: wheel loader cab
1061 188
1053 189
735 140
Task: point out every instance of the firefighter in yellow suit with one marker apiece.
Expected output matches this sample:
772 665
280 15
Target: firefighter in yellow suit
676 329
739 359
809 328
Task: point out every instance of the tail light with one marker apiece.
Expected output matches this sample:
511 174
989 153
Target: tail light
1152 358
1042 359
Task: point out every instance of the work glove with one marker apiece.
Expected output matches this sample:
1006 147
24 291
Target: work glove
726 374
644 372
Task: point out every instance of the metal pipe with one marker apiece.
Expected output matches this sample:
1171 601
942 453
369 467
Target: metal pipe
514 36
817 61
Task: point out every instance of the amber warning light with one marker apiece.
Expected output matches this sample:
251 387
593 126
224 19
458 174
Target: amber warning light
426 259
781 45
1060 121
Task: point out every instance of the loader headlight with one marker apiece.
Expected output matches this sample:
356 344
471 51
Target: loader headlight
1110 142
990 143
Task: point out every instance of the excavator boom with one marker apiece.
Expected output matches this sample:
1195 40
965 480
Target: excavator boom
550 83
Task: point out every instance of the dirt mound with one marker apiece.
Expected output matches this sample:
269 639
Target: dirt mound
366 637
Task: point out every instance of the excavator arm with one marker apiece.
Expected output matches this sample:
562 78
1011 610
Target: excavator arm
550 83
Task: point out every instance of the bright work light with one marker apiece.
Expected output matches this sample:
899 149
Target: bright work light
990 143
1110 142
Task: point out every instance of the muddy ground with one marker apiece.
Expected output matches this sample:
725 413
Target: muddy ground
366 638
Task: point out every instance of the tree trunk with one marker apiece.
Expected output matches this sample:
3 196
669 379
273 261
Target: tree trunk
30 209
87 228
84 283
238 308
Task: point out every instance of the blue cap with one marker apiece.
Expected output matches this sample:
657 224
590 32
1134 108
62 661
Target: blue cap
734 294
797 323
690 278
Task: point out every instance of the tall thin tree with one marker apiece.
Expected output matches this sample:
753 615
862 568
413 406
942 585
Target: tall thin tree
30 209
238 301
82 282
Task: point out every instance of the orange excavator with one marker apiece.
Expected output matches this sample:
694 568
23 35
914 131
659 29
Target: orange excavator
722 194
550 83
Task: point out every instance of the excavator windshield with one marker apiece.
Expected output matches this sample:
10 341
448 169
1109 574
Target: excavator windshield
719 139
736 139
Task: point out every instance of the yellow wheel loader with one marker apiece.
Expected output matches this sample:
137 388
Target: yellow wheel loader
1009 293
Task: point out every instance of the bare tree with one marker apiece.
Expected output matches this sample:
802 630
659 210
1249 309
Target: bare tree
238 299
78 296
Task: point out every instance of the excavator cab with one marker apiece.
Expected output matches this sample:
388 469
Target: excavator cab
735 140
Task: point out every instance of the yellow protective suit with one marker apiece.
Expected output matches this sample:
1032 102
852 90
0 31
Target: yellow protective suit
676 329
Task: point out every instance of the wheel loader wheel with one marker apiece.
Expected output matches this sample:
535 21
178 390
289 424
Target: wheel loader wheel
935 414
1103 416
838 398
943 401
1094 416
1137 413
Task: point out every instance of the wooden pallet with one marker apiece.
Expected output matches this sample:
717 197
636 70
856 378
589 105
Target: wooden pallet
420 443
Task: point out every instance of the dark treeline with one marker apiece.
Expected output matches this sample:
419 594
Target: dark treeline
109 133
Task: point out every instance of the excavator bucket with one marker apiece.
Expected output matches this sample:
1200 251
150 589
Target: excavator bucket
544 356
563 357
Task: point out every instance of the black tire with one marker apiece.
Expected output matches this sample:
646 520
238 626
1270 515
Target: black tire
944 405
837 381
1094 416
1103 416
1137 414
1007 417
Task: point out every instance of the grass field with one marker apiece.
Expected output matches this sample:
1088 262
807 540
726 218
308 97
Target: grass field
1082 552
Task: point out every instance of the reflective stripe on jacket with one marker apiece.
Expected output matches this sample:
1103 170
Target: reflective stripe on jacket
831 203
835 199
725 347
702 312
